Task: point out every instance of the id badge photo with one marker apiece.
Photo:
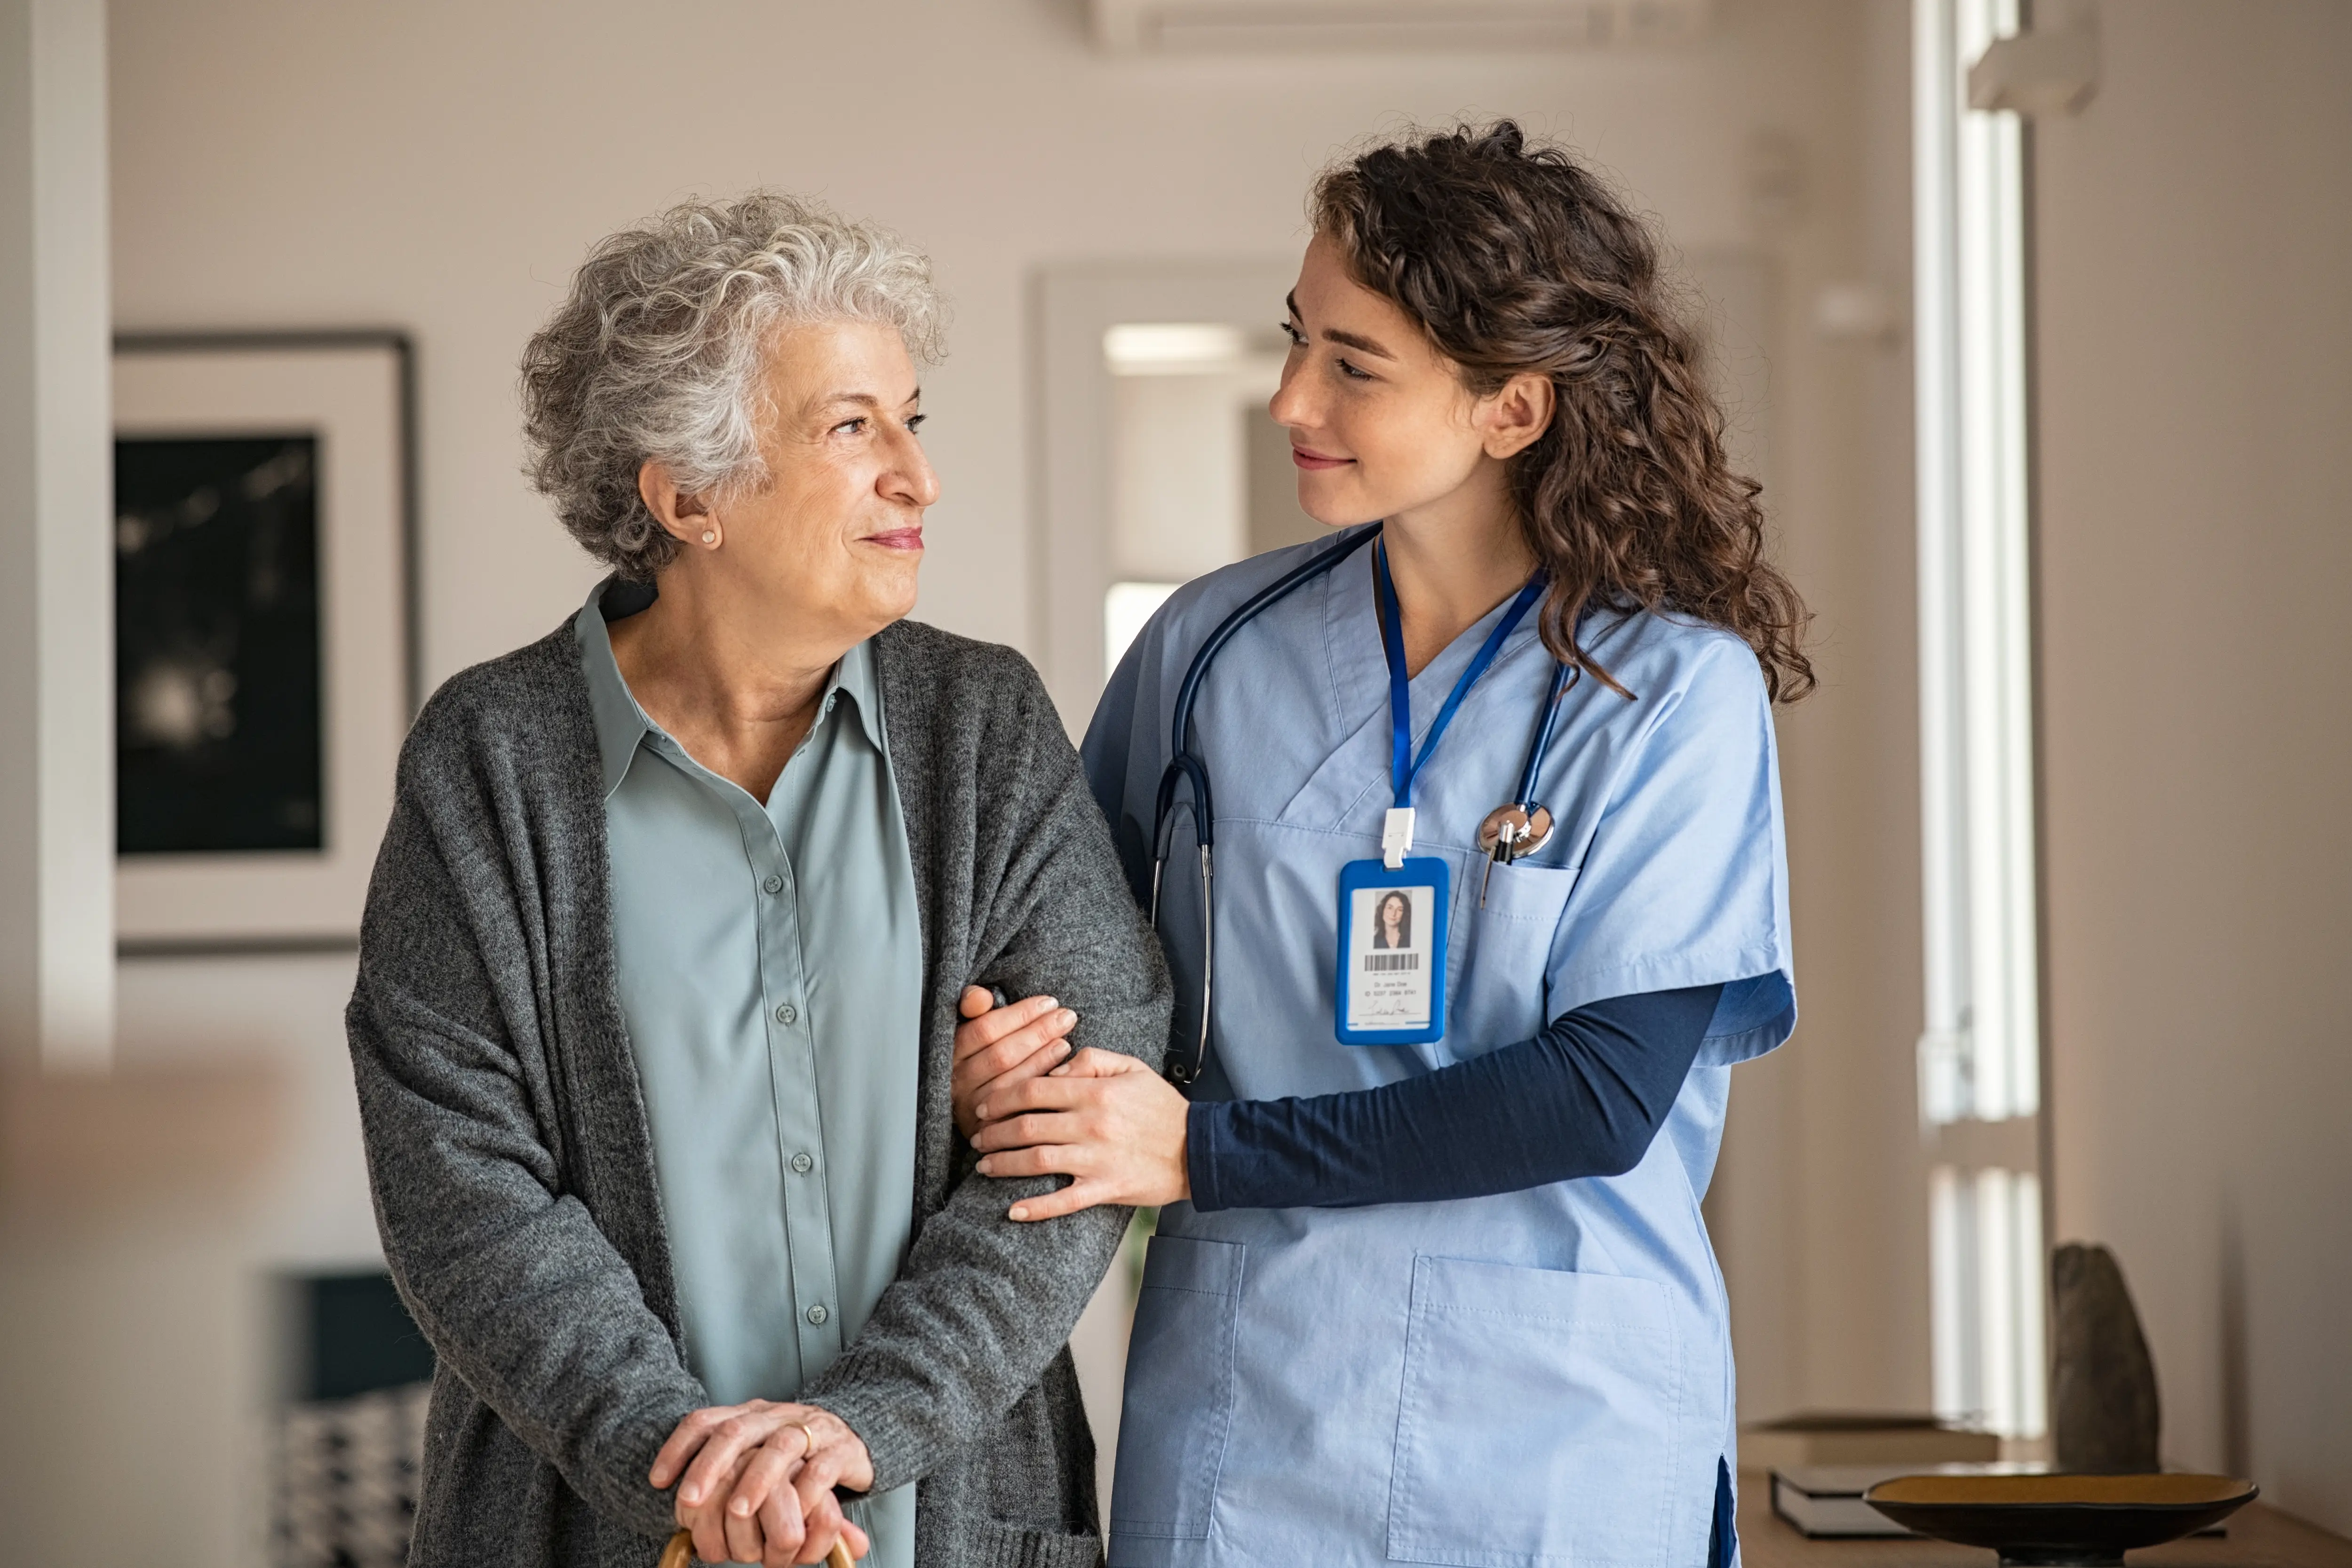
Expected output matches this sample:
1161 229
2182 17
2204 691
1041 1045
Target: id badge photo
1391 988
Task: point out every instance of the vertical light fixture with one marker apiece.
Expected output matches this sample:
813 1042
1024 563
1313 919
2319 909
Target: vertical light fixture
56 480
1979 1051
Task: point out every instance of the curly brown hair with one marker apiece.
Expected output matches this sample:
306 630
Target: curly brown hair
1514 258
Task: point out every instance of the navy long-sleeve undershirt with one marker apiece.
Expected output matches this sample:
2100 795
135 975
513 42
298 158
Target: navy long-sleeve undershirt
1584 1098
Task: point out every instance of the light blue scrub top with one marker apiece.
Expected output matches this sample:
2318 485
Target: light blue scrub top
1536 1378
771 976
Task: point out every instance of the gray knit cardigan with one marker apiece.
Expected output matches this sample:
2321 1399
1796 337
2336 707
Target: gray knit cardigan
513 1172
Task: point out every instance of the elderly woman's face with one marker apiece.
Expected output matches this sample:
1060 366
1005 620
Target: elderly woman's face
836 534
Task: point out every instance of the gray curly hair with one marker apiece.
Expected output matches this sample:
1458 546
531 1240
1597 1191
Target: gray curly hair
657 354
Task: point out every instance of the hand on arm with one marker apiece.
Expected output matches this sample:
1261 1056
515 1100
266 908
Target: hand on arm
1584 1098
755 1482
996 1047
1108 1121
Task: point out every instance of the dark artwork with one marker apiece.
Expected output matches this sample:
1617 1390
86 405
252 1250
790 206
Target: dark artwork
351 1442
2105 1417
217 665
356 1337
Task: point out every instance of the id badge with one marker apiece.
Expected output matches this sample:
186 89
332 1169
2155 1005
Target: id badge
1390 987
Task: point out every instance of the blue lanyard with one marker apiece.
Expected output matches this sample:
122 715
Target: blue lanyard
1404 765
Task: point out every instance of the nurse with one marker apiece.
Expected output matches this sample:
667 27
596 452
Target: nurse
1430 1282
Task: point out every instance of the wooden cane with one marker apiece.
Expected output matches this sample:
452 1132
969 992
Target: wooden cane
680 1551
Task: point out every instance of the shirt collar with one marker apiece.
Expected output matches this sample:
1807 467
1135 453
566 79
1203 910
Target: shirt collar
622 725
855 678
620 722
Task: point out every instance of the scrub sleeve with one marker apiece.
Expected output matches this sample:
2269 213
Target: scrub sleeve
1582 1098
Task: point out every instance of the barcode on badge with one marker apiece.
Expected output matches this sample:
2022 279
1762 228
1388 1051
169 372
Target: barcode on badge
1389 962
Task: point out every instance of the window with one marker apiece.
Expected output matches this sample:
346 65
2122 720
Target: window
1158 461
1200 476
1980 1051
1127 608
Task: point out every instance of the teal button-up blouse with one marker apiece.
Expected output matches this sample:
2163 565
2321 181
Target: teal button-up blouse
771 976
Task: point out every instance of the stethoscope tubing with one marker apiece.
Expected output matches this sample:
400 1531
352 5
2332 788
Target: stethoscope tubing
1562 678
1185 767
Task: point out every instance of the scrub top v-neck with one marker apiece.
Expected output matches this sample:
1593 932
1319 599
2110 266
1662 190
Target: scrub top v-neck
1541 1377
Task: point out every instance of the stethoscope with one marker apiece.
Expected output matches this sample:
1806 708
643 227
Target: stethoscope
1507 832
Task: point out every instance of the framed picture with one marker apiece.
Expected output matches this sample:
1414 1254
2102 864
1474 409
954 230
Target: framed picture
265 547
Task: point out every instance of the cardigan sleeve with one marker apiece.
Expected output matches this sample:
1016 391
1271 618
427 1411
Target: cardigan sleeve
983 1303
517 1288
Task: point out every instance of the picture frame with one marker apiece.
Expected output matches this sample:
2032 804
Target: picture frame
266 631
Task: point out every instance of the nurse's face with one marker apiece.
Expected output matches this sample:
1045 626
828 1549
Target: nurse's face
1380 424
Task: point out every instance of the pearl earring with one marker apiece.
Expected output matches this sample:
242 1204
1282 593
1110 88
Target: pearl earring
709 536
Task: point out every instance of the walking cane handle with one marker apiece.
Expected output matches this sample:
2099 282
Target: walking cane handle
680 1551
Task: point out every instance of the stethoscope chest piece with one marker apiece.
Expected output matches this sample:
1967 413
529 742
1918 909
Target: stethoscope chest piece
1511 831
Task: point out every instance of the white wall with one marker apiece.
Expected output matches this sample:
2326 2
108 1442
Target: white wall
2194 233
442 166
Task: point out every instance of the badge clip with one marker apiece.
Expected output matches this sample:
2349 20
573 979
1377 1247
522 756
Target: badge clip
1396 837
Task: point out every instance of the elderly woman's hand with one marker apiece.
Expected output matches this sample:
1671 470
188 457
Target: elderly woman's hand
996 1047
758 1481
1107 1119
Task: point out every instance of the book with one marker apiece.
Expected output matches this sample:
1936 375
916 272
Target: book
1833 1437
1826 1500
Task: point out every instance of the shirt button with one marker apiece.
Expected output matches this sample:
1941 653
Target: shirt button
788 1014
817 1314
803 1164
775 884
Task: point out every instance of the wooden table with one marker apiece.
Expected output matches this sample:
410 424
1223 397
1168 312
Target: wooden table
2259 1536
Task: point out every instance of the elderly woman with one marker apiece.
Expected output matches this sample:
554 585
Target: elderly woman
660 984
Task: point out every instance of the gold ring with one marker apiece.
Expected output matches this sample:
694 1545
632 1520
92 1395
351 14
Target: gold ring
808 1439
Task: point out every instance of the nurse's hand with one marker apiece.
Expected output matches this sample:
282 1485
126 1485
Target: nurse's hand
1107 1119
996 1047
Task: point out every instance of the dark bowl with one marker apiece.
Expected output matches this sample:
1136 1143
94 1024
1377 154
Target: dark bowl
2060 1521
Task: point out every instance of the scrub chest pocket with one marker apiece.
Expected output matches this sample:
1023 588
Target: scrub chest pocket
1538 1420
1179 1406
1505 943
